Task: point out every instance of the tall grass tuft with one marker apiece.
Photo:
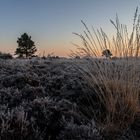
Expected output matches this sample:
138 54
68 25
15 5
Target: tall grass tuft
116 82
122 44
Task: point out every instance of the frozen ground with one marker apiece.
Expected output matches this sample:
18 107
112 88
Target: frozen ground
48 100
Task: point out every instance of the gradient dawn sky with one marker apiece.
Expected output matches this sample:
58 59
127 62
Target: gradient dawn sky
51 22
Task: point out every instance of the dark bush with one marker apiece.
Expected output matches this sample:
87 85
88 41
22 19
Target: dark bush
5 55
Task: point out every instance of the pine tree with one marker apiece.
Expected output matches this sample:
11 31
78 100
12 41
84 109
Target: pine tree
26 47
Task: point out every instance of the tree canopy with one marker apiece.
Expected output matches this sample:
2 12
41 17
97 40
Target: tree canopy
107 53
26 47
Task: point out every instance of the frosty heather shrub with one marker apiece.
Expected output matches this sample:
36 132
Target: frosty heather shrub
41 100
81 132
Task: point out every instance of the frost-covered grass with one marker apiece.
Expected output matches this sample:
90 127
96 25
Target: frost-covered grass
75 99
42 99
56 100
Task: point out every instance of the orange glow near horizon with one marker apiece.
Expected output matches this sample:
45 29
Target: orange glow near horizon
59 47
42 49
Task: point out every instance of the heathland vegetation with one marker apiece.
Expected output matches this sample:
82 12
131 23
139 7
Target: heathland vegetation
87 97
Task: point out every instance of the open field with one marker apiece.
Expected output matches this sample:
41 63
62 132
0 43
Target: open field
69 99
93 93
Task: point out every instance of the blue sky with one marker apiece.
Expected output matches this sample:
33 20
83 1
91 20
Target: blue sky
51 22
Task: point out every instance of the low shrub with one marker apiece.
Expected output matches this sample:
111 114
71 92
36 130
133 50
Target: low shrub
5 55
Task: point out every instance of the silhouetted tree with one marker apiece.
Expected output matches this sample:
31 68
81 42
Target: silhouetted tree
26 47
77 57
107 53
